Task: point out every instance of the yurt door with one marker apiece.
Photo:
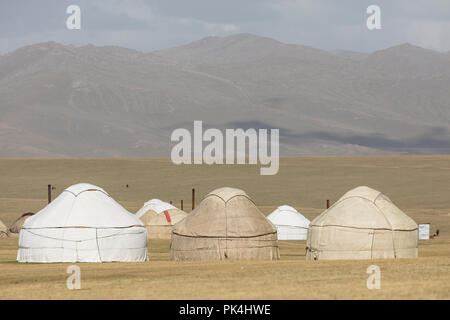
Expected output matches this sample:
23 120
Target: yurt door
382 244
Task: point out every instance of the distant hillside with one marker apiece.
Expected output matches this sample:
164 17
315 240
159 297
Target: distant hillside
65 101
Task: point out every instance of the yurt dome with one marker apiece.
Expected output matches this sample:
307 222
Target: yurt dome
290 224
16 226
362 224
83 224
225 225
159 217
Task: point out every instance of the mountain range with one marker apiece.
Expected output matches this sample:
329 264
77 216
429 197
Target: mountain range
64 101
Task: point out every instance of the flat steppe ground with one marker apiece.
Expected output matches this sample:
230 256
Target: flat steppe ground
419 185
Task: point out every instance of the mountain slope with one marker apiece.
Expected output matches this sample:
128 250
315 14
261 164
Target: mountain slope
93 101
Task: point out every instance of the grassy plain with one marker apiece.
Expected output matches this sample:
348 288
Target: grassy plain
420 185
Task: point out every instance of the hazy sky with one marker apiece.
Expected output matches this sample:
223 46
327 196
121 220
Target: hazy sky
151 25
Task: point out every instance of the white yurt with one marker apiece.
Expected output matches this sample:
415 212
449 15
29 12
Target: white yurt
83 224
156 205
290 224
363 224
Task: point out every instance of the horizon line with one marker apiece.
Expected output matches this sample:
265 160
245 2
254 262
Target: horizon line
333 51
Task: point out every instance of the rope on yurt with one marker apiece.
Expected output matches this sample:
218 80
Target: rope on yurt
226 232
76 251
220 249
86 239
393 244
392 228
371 247
98 247
67 219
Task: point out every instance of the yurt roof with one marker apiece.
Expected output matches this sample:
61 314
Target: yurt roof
365 193
83 205
288 216
77 189
155 205
366 208
227 193
225 212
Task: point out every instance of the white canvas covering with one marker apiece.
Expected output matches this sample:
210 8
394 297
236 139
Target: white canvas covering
83 224
290 224
155 205
362 224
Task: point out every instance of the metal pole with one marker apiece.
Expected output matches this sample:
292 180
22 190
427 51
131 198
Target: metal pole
49 191
328 204
181 204
193 198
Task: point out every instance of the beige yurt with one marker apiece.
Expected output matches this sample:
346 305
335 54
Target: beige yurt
159 217
17 225
226 225
362 224
3 230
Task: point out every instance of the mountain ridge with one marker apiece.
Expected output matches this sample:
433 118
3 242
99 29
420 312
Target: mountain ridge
66 101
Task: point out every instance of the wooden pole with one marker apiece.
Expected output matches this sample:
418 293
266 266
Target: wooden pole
193 198
49 192
328 204
181 204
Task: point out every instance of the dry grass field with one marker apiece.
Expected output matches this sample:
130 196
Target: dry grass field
420 185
